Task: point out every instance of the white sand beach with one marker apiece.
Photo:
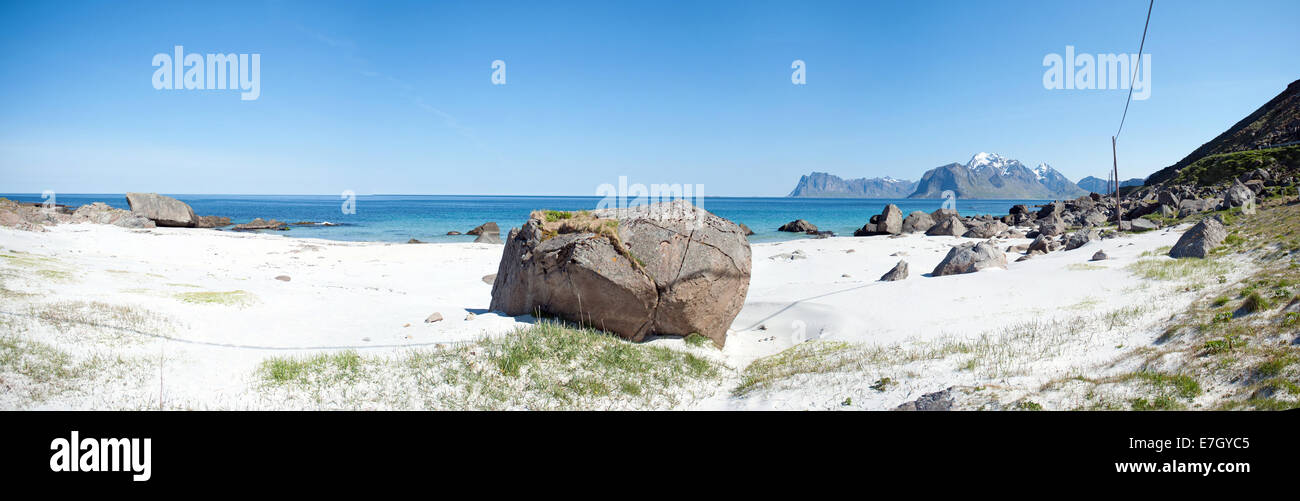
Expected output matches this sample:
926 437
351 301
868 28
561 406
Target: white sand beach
178 318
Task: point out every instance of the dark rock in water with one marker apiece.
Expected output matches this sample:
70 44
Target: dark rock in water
1081 238
161 209
917 222
414 241
821 234
485 228
898 273
487 238
453 232
798 226
937 401
261 224
666 268
1099 256
891 220
211 221
969 258
1200 240
745 229
1019 209
948 226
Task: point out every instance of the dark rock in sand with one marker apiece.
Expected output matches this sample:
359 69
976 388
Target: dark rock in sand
487 238
1200 240
666 268
937 401
969 258
898 273
1099 256
1081 238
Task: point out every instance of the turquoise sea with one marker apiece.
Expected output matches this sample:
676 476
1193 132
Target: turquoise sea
398 218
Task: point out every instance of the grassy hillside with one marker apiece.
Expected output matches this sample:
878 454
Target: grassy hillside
1215 169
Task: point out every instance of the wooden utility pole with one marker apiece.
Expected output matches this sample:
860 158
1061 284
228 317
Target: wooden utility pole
1119 213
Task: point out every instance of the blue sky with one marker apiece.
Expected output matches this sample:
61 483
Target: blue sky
391 97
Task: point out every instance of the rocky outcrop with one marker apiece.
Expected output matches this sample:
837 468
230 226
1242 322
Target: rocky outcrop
488 238
161 209
1238 195
214 222
1200 239
969 258
666 268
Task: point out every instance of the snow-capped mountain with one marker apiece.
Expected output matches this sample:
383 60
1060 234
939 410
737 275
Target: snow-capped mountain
989 175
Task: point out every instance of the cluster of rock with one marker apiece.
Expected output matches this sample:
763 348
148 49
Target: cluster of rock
665 269
35 217
147 210
1182 200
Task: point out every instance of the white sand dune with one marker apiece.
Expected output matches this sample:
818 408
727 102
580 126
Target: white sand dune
374 297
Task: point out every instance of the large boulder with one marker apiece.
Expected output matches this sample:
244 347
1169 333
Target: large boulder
1042 244
891 220
1052 209
488 238
161 209
1200 239
1196 206
917 222
1239 196
969 258
798 226
948 226
667 268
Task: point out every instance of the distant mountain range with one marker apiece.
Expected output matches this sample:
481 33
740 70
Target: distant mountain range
986 175
821 184
1103 186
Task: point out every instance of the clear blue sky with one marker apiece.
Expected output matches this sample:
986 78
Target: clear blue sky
382 97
